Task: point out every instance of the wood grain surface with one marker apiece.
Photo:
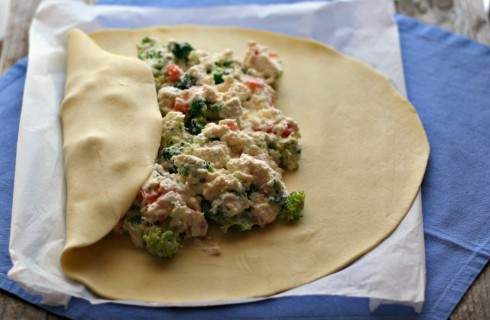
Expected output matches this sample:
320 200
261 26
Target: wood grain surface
466 17
15 44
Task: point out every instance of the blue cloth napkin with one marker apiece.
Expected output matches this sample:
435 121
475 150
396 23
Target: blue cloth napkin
447 78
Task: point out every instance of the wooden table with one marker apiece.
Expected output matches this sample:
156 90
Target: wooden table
466 17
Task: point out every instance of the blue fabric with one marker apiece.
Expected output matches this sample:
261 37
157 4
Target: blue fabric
447 78
448 82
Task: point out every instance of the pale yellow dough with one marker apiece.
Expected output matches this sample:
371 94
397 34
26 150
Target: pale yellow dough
111 133
365 153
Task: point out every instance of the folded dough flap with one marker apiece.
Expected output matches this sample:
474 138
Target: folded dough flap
111 131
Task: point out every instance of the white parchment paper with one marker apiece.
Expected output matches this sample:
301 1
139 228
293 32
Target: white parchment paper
392 272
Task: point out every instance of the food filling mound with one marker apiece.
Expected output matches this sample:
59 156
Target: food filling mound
223 149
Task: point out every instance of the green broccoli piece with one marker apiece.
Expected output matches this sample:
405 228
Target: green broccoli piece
149 54
218 75
161 243
166 154
169 152
212 112
285 152
146 39
238 223
295 203
181 51
134 220
196 106
200 114
173 130
185 82
196 125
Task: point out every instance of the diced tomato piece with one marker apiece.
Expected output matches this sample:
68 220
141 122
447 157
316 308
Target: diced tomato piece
269 129
181 105
149 196
286 133
174 72
254 83
273 54
230 124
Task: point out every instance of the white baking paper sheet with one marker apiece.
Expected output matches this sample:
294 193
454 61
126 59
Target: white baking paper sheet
392 272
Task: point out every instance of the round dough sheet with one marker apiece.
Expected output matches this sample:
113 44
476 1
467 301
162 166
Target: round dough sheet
364 157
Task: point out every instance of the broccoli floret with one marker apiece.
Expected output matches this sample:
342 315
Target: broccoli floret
237 223
161 243
196 106
152 52
165 155
173 131
212 112
285 152
185 82
134 220
291 210
202 107
200 114
218 74
181 51
192 169
194 57
146 39
240 225
196 125
149 54
169 152
174 150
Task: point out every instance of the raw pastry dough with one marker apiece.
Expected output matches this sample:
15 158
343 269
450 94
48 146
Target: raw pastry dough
364 156
111 133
